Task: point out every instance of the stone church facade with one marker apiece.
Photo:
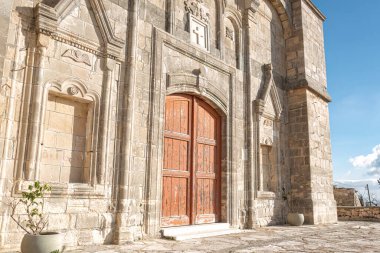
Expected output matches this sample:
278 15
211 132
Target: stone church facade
145 114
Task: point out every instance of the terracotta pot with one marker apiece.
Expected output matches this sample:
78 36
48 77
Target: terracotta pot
46 242
295 219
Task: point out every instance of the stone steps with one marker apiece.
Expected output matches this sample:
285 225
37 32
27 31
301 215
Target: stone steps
197 231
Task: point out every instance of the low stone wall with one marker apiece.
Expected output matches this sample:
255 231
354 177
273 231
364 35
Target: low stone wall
346 197
346 213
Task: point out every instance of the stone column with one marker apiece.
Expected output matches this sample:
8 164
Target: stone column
248 23
170 16
122 232
109 66
36 105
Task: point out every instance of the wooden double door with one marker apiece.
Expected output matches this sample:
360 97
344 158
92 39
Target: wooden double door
191 171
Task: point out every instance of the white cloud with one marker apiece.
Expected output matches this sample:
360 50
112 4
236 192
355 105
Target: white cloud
370 162
359 183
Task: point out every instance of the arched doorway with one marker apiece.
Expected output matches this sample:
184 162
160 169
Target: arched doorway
191 166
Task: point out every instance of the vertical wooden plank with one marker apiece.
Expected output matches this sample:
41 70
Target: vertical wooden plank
200 121
166 196
206 158
207 196
177 117
212 196
175 154
170 153
183 196
212 159
174 197
206 125
199 196
183 156
184 117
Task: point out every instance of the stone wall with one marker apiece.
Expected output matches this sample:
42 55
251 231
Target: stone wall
347 213
82 105
346 197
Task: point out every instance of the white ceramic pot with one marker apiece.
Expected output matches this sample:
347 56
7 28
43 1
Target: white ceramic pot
46 242
295 219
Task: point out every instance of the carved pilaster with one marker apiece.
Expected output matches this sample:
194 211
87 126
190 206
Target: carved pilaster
35 121
109 66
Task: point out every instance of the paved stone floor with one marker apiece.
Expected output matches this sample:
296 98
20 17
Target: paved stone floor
341 237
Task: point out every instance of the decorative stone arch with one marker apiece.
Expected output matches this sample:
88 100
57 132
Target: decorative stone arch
236 19
193 84
284 16
280 8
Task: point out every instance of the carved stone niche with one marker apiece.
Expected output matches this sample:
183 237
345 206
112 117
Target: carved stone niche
69 131
268 112
199 17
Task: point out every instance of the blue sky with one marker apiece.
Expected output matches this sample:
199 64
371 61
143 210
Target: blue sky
352 42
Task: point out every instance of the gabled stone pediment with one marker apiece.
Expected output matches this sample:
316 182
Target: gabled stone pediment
90 31
268 100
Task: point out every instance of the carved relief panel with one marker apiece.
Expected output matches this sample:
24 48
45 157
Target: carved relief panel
199 18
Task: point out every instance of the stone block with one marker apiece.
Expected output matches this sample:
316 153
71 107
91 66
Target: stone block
87 221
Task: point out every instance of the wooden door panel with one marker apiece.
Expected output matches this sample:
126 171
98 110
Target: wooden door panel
206 168
176 172
191 162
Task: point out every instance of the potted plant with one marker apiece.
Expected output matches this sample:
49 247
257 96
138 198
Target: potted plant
35 221
295 216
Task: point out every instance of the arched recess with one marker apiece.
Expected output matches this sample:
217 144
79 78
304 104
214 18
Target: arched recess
69 121
233 37
281 10
268 114
284 17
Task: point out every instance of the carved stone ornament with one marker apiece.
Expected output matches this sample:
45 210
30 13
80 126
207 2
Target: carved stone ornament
229 33
198 9
72 90
267 141
77 56
268 123
253 5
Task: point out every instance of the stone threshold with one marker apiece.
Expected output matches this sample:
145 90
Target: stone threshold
197 231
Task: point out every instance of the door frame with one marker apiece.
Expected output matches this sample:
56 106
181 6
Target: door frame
195 103
203 79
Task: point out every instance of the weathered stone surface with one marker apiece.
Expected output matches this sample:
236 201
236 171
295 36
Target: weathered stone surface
82 107
341 237
346 197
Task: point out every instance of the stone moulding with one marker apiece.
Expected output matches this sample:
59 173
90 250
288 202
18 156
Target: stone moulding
198 84
313 86
269 88
48 19
77 56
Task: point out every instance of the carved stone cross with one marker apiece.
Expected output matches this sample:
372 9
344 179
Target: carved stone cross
199 35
